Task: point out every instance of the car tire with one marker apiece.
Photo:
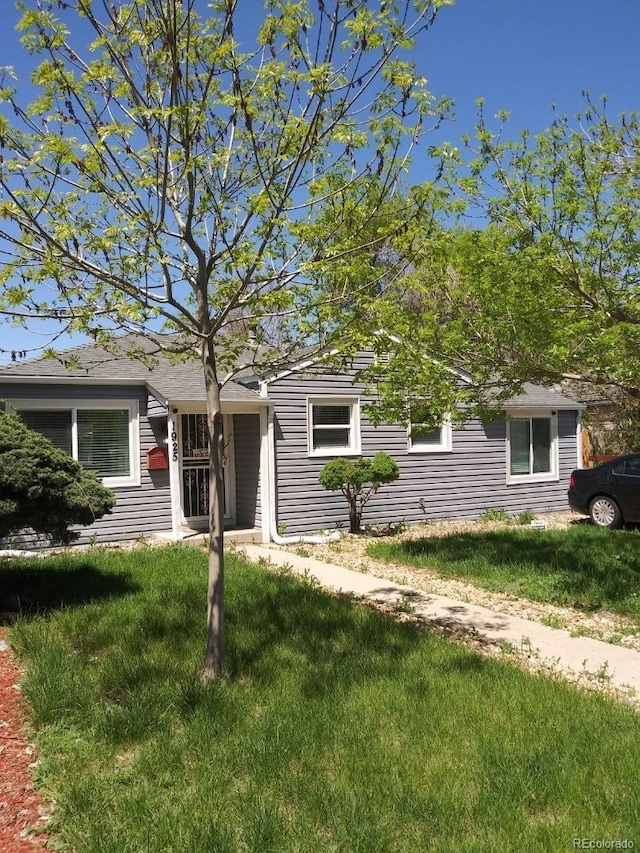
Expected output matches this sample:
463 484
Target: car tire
605 512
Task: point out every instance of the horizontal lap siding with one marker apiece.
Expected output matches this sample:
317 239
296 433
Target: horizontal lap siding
246 430
460 484
139 510
155 409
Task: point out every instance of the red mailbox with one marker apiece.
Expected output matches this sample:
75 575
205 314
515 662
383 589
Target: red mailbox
157 459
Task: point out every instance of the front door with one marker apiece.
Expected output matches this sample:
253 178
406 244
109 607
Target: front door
195 468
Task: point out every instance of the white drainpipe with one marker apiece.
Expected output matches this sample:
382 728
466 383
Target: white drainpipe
14 552
273 522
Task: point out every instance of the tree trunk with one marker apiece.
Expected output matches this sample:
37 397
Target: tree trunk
215 598
354 515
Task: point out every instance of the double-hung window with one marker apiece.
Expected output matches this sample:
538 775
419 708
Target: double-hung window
103 437
333 425
532 446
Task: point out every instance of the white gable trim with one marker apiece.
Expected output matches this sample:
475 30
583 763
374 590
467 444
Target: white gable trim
303 365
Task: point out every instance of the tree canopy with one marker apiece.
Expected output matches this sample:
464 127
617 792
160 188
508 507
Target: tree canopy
186 165
557 278
196 168
547 290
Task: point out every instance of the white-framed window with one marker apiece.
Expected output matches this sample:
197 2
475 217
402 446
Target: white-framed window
333 426
424 437
532 446
102 435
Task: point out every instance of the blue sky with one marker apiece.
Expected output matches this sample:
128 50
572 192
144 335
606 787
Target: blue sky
524 56
519 56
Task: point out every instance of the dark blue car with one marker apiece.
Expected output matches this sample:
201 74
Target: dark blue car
608 493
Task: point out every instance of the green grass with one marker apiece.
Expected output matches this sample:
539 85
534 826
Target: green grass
583 566
335 729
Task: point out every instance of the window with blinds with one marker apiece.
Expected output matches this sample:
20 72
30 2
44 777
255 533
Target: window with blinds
54 425
520 446
103 441
333 427
99 438
531 443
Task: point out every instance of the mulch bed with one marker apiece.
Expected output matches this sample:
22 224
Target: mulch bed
21 808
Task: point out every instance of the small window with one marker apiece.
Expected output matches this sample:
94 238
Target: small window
424 437
334 426
532 447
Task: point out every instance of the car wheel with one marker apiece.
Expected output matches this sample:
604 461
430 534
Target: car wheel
605 512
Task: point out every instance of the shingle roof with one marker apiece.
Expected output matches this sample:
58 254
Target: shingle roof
540 397
176 382
184 381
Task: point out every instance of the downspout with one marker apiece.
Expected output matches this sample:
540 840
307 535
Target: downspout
14 552
579 440
274 536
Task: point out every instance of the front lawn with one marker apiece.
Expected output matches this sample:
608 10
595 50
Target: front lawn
336 728
582 566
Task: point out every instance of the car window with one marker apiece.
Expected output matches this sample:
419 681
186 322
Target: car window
618 469
632 467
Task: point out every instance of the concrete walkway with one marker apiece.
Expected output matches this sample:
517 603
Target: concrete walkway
619 666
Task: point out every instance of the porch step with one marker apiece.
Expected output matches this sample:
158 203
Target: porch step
249 535
190 535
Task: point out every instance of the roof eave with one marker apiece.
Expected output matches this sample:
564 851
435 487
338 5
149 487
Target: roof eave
33 379
226 405
567 407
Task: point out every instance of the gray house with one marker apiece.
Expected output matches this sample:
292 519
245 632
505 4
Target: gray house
144 430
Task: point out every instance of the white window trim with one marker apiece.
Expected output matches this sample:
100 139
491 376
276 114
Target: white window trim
90 405
445 444
354 426
543 477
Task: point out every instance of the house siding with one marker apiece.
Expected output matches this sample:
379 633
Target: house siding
139 510
246 431
155 409
457 484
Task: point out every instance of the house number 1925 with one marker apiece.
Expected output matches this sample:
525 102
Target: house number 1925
174 446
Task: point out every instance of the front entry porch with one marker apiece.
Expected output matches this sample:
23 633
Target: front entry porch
189 471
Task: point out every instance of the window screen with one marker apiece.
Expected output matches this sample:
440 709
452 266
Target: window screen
541 436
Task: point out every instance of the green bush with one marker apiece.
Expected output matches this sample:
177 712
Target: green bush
42 488
351 477
494 513
525 517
